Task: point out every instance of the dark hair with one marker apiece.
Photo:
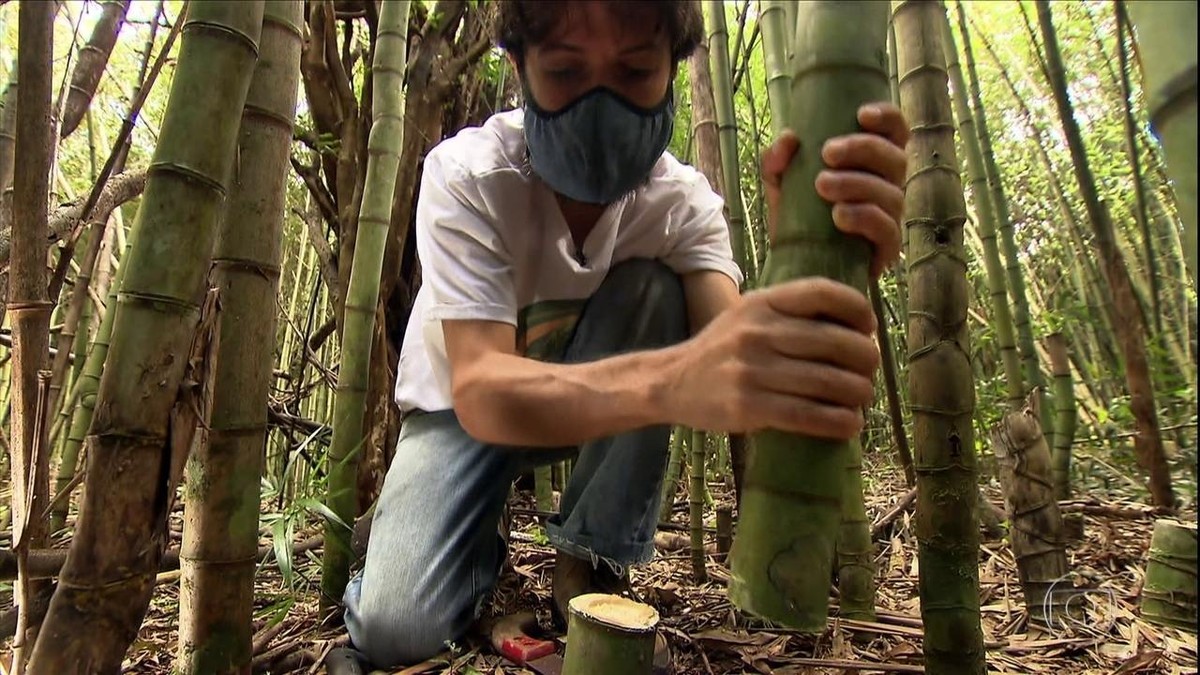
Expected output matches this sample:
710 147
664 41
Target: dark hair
520 23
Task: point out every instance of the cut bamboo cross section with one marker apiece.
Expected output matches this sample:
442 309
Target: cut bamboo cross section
1169 594
609 635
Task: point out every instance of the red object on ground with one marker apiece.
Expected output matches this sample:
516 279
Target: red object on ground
522 649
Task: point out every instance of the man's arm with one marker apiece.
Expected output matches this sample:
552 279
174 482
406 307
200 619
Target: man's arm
708 293
504 398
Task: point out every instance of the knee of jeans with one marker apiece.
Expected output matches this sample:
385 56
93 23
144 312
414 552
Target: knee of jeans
400 631
658 289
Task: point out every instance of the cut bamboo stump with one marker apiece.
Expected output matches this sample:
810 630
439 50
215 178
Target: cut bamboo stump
609 635
1169 594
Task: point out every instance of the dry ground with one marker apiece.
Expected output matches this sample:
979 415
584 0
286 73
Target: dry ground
709 637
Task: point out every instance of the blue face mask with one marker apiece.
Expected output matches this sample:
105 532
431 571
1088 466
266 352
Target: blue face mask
600 146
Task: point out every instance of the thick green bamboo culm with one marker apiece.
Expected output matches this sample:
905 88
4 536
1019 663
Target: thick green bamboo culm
1004 226
774 37
362 295
791 510
133 447
985 212
941 390
1166 39
718 47
855 552
224 470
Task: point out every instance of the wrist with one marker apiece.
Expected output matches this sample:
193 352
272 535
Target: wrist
662 392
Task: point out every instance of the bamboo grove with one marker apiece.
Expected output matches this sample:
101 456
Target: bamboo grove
205 218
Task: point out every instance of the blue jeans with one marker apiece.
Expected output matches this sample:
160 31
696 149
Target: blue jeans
435 553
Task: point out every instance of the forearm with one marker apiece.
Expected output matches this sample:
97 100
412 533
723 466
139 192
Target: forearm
516 401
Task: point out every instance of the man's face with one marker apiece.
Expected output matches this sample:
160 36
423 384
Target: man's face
591 48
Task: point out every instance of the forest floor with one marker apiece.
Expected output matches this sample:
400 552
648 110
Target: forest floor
708 636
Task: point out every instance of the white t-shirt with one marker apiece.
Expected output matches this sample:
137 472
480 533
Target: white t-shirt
493 245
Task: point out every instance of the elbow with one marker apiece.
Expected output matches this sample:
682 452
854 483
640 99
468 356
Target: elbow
468 395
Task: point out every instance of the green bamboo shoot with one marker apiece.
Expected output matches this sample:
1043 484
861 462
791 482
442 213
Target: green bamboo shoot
362 295
783 552
941 390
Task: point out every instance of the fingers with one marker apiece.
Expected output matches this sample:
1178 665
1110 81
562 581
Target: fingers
808 417
866 152
885 119
819 298
870 222
815 381
821 342
857 186
776 158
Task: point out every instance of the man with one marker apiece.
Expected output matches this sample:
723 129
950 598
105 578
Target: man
579 296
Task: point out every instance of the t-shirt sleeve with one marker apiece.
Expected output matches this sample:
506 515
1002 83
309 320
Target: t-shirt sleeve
699 237
464 261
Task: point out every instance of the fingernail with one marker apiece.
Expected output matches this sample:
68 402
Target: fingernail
832 149
872 113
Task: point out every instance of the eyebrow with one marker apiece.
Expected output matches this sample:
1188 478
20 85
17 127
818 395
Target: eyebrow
555 46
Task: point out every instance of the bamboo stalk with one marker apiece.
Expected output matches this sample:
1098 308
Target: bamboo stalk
942 397
674 469
221 497
1036 527
1002 320
139 436
718 46
855 552
1165 31
790 514
1064 413
696 490
1127 319
29 306
891 387
1004 224
779 82
1169 593
362 292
